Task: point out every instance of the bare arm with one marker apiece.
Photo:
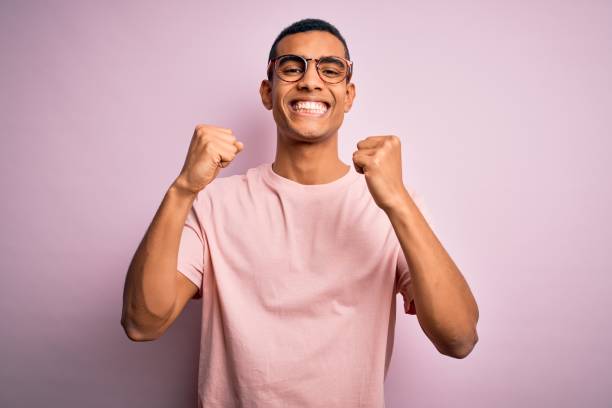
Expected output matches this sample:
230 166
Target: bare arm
155 292
446 308
152 285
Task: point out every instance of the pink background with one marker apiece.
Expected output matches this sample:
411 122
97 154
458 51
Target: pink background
505 113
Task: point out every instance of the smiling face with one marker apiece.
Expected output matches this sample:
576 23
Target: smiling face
309 109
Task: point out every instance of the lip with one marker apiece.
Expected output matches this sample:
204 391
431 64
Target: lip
317 115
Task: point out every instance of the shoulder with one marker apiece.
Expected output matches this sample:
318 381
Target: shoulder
227 188
233 182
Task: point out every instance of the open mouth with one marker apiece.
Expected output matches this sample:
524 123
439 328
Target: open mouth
309 108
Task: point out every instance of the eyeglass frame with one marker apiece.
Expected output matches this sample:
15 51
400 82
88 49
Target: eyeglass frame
348 63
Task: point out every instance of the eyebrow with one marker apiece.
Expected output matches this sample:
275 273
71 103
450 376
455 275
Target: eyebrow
304 56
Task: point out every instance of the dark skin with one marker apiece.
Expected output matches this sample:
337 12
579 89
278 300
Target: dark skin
307 147
307 152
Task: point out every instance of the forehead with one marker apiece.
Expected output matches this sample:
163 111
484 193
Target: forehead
311 44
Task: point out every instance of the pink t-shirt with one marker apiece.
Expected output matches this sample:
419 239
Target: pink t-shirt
299 286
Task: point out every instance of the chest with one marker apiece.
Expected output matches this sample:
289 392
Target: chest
287 253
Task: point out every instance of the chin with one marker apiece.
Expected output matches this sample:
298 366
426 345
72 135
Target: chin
311 130
312 133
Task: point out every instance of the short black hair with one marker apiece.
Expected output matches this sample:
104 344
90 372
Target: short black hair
307 24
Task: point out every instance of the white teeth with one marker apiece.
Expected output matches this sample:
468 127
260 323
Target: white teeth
310 106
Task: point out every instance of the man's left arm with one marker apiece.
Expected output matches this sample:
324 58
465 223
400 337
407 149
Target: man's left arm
446 308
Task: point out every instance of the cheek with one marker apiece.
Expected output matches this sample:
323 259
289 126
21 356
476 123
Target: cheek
277 101
340 105
278 110
340 97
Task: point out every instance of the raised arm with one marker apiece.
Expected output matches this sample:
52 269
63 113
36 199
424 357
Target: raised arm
155 292
150 295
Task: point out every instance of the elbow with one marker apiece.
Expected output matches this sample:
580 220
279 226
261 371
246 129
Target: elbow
141 324
462 345
464 351
461 349
134 333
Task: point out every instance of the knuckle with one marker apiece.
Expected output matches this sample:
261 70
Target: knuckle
200 130
209 148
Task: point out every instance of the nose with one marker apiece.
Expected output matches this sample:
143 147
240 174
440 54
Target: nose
311 79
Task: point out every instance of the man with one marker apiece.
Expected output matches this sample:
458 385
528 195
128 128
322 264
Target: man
298 262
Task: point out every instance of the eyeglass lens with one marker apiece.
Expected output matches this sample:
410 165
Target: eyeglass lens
292 67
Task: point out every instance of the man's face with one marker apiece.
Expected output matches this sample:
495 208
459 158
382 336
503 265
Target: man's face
281 97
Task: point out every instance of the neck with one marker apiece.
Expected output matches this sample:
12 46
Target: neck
308 162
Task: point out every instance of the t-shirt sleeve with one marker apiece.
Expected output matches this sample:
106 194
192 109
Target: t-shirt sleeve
192 250
404 283
404 279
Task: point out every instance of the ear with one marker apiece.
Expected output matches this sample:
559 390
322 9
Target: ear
265 90
350 96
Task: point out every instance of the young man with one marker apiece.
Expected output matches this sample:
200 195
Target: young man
298 262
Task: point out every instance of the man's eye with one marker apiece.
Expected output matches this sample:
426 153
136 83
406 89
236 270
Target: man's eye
330 72
292 70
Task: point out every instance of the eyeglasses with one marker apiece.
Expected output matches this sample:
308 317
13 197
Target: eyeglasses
291 68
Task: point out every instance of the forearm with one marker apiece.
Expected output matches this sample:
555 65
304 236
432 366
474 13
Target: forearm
150 285
446 308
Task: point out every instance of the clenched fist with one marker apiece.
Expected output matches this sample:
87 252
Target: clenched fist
211 149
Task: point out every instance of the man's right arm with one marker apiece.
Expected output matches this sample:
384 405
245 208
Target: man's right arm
155 292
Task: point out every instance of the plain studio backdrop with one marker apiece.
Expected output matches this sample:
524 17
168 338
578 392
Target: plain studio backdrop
504 110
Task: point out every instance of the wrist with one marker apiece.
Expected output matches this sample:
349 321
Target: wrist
179 188
400 203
